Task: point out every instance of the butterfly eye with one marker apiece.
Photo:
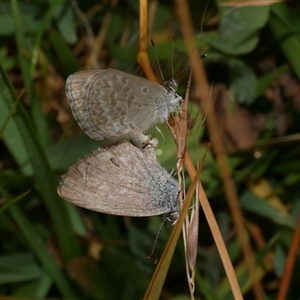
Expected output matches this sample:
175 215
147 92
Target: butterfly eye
171 84
172 218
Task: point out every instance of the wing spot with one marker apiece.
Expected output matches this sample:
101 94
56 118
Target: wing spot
106 83
124 80
115 161
132 127
130 99
145 90
113 102
122 121
126 90
112 95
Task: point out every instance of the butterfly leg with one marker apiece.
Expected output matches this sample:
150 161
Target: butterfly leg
141 141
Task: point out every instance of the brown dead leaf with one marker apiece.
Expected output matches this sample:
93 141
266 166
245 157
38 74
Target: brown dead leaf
240 128
291 89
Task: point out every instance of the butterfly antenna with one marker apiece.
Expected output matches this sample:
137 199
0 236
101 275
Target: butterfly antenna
157 61
183 70
203 55
156 242
173 51
188 67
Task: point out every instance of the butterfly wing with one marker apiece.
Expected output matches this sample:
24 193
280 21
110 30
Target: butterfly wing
75 88
110 104
120 180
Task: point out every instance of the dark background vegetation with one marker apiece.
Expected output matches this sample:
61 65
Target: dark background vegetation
51 249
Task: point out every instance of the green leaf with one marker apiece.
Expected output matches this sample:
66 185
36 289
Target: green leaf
65 22
251 202
239 28
285 25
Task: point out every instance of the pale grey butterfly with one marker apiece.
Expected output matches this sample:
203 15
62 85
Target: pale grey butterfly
122 180
111 105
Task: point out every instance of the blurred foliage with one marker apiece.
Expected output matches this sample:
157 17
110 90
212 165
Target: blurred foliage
51 249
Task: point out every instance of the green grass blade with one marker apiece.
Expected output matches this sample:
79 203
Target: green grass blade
45 180
37 245
24 56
